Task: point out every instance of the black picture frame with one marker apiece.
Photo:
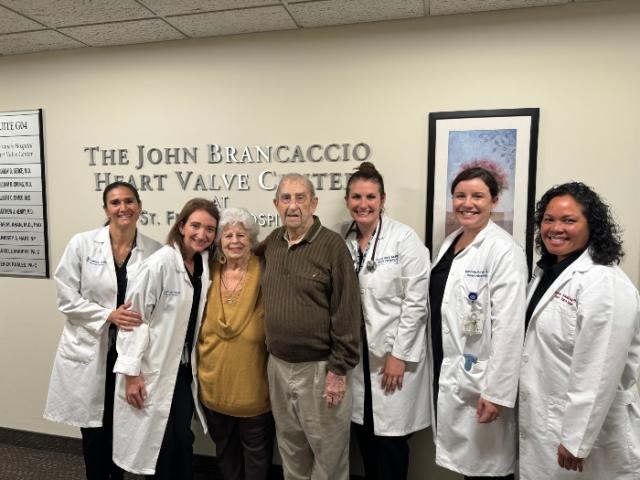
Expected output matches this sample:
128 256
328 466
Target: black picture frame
514 133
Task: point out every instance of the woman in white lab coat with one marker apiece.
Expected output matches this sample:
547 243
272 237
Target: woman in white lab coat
157 389
391 382
477 300
91 280
579 403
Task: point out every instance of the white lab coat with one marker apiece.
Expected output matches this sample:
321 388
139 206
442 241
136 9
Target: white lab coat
163 293
395 308
87 293
493 267
578 375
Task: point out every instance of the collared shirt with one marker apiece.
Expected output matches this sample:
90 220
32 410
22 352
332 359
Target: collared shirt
290 242
552 270
312 300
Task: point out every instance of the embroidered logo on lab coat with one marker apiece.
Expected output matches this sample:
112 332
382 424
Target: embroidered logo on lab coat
563 297
476 273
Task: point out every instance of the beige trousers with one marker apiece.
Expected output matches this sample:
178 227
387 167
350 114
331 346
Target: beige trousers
313 439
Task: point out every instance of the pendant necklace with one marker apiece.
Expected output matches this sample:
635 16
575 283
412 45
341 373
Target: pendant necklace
231 298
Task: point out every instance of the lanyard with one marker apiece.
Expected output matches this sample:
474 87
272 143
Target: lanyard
371 263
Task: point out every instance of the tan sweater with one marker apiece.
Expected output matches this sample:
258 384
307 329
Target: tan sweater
232 354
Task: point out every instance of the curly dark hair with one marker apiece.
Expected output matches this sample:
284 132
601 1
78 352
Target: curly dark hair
605 244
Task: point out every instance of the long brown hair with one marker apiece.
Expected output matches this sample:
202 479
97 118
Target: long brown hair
175 237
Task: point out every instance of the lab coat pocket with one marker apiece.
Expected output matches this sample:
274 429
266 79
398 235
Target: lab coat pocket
78 344
171 300
471 382
387 283
473 306
562 334
95 270
151 384
633 431
620 433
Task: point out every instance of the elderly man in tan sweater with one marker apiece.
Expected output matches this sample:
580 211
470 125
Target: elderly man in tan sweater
312 312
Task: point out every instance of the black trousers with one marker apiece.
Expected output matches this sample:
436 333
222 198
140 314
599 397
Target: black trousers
244 445
175 461
384 458
97 442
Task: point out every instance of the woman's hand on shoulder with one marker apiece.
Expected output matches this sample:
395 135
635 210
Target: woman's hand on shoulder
125 319
392 374
135 390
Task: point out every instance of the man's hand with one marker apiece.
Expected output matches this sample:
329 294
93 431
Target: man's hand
335 386
125 319
567 461
487 411
392 374
135 390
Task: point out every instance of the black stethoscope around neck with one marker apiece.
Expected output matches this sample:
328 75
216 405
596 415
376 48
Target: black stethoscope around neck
371 263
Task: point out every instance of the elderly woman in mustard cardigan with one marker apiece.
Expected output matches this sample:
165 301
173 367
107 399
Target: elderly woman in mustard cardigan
232 368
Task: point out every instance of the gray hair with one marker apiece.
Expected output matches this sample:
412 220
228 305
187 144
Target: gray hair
238 216
298 178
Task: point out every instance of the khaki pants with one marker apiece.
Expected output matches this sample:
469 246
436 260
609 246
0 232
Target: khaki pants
313 439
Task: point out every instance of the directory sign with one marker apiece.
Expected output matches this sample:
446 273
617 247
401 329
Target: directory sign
23 213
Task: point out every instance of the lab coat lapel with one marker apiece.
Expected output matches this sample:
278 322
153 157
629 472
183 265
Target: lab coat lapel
476 241
104 240
445 245
582 263
179 265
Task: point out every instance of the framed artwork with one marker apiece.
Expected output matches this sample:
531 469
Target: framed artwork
505 142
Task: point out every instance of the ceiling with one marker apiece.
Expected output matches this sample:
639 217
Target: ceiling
28 26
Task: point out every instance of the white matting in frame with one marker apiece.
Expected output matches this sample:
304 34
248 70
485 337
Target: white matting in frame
504 139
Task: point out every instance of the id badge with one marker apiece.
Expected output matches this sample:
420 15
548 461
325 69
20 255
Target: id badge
474 317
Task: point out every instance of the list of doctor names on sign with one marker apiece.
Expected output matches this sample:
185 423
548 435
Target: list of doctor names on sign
23 241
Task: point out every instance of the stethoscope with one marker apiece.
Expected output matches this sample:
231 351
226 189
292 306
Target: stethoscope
371 263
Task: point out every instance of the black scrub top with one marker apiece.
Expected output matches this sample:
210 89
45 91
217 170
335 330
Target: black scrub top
437 284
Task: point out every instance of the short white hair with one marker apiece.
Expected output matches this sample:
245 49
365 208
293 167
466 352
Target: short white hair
238 216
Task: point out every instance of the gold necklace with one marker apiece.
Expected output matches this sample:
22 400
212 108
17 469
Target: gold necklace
232 297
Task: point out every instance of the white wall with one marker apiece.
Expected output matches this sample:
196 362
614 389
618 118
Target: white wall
374 83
